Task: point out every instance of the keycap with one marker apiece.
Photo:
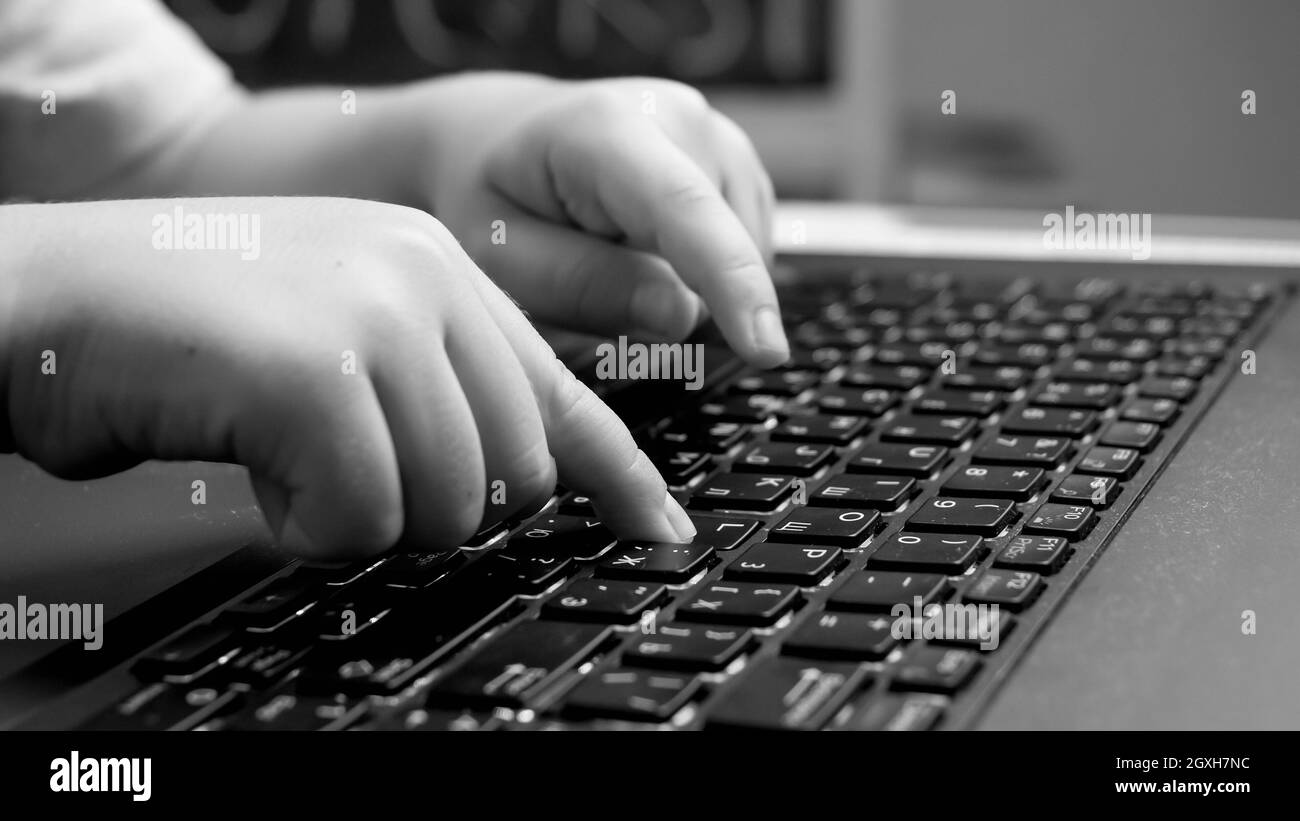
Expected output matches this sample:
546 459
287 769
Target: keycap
856 401
274 604
1028 354
1090 395
826 526
260 664
934 669
809 359
576 537
1009 449
935 430
416 571
820 428
983 629
710 434
1141 436
751 409
1158 411
1098 491
984 378
960 403
1118 462
787 694
776 383
1178 388
1210 347
1115 371
1012 590
949 554
679 466
1017 483
889 377
921 354
655 561
1069 422
847 636
1073 522
190 653
740 603
1135 349
789 563
633 695
785 458
346 617
863 490
1040 554
162 706
688 647
600 600
576 504
944 514
743 491
525 571
722 532
1190 367
879 591
897 712
298 712
908 460
513 666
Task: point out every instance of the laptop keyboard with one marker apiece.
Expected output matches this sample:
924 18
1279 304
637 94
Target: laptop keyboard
932 439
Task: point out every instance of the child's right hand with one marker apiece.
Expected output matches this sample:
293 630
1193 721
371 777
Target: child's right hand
373 380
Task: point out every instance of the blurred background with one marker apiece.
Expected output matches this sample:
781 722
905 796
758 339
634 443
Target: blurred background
1109 105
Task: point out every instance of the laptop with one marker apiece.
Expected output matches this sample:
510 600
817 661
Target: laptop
981 495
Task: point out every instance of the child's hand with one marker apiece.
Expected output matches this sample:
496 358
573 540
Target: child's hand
373 380
608 205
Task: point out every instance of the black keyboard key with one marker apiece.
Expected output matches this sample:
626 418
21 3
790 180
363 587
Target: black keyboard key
787 694
862 490
960 403
1188 367
655 561
1069 422
1098 491
743 491
275 604
933 669
934 430
192 652
608 601
1141 436
1009 449
1027 355
575 504
299 713
906 460
944 514
740 603
1104 461
1005 378
633 695
163 706
1157 411
679 466
1116 371
346 617
826 526
1009 589
813 359
897 712
1135 349
689 647
1072 522
1039 554
723 532
785 563
710 434
1210 347
919 354
416 571
1178 388
784 457
577 537
878 591
777 383
980 629
525 571
1088 395
754 409
512 667
820 428
948 554
261 664
889 377
1017 483
846 636
856 401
